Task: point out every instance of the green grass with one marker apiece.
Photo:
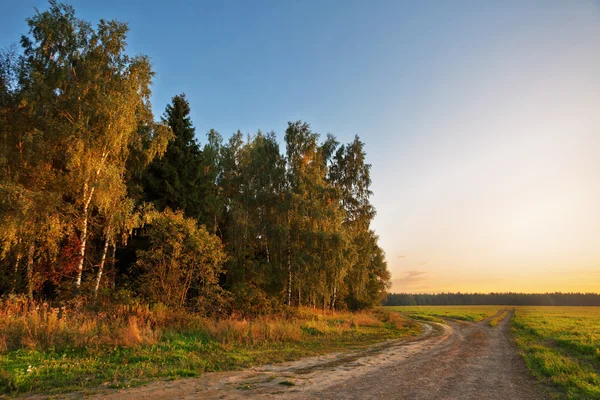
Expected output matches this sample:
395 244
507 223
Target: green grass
185 354
561 346
495 321
436 313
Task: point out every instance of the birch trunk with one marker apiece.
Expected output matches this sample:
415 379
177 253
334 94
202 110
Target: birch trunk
289 266
333 297
30 271
87 194
16 272
267 249
113 263
102 260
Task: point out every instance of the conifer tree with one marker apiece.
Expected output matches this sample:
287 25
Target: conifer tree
173 180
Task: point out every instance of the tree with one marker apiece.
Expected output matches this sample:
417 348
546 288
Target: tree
302 175
182 258
252 182
99 97
174 180
79 176
30 203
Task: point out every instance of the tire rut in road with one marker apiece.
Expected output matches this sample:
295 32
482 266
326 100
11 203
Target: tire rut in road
476 362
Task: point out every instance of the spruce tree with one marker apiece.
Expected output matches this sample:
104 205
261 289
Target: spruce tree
174 180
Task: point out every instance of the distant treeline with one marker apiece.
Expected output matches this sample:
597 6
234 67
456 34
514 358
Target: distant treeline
510 299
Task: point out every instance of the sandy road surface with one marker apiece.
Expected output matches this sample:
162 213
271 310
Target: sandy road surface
454 361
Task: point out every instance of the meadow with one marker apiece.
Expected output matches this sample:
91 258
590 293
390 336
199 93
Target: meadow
437 313
561 346
50 350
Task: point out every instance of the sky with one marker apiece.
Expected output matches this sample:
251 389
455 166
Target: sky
481 118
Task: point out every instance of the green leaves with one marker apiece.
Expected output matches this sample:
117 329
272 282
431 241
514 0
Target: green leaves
182 257
83 164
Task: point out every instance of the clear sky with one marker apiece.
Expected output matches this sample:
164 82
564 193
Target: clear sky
481 118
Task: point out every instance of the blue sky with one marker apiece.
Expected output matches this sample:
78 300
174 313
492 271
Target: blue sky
481 118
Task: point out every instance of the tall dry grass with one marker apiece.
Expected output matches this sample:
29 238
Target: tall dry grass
38 326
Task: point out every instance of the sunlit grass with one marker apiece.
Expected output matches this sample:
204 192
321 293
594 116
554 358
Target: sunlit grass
561 346
44 351
499 318
436 313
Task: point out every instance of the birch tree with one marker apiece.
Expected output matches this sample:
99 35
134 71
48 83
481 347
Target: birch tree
99 97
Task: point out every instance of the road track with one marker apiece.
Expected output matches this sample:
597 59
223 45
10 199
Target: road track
457 360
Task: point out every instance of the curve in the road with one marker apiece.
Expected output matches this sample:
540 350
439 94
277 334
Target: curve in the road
454 361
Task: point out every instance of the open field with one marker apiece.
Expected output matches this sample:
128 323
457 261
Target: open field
40 352
436 313
561 346
498 318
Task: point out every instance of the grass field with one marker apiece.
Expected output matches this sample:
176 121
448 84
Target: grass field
41 352
499 318
561 346
436 313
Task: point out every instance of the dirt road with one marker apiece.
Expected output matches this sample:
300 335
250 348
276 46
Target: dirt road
454 361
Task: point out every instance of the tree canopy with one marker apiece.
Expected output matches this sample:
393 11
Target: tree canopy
98 199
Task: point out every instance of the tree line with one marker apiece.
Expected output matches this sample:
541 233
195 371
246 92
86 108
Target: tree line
100 201
509 299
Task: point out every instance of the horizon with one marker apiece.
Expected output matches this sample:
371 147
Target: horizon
487 293
480 120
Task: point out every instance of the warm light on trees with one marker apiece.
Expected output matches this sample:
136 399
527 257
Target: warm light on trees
89 180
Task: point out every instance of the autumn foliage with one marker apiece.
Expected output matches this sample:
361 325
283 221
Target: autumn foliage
102 205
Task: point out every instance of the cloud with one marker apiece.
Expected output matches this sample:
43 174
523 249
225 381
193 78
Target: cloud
414 276
411 277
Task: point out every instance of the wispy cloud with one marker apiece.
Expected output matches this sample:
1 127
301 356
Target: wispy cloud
414 276
411 279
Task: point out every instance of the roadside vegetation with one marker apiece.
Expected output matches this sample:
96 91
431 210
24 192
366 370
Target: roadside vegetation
561 346
133 247
44 351
437 313
499 318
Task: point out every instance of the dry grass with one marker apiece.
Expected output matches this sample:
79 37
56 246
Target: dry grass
38 326
49 349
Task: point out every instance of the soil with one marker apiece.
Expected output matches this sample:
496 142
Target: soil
455 361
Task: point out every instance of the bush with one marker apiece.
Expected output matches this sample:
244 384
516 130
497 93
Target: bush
183 258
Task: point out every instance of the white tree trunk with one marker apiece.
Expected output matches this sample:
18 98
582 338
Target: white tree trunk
30 253
289 265
16 272
87 194
333 297
267 249
113 263
102 260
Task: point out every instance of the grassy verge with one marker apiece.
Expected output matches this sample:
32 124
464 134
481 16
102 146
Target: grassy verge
561 346
435 313
495 321
47 350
